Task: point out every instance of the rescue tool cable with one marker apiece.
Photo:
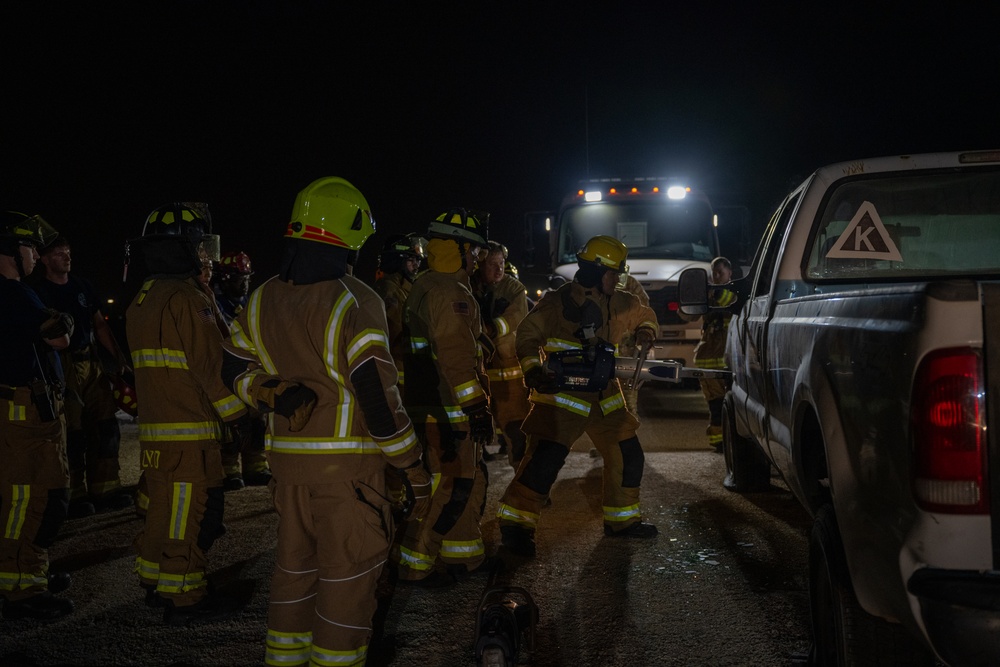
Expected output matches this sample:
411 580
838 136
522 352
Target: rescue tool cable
591 369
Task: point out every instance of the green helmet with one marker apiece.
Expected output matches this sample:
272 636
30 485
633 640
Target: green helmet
461 225
330 210
20 229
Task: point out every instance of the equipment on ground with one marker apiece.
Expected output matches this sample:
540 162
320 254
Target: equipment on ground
592 367
507 619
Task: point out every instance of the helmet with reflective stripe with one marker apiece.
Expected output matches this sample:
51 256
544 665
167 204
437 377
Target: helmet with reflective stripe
461 225
330 210
184 219
604 251
124 394
234 263
20 229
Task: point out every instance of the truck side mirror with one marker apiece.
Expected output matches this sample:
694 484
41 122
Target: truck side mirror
692 292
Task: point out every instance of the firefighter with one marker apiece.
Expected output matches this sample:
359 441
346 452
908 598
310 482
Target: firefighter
34 480
711 350
177 356
243 459
318 323
398 265
503 303
588 311
93 437
449 409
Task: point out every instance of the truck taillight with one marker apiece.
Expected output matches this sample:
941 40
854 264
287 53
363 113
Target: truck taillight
949 433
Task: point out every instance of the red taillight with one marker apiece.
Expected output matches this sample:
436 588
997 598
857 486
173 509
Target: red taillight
949 433
673 306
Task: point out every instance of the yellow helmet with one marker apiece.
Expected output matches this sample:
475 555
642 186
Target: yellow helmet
461 225
331 210
606 252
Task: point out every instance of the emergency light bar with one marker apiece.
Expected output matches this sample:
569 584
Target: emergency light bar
674 192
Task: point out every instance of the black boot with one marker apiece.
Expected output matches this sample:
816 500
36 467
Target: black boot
638 529
41 607
518 540
211 608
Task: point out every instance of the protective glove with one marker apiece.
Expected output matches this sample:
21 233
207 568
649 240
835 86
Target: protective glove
417 482
291 400
540 381
480 423
644 339
57 326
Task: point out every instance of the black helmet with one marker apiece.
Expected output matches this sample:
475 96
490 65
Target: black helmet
399 248
177 239
18 229
461 225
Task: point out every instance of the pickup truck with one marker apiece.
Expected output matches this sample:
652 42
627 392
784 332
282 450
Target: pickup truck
865 358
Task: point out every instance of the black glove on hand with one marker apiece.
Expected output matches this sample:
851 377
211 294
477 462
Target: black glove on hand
296 402
540 381
417 482
480 423
644 339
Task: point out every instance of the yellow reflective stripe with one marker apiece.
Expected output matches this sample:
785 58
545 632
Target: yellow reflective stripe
16 413
364 341
180 508
147 569
17 581
292 445
159 358
400 444
462 549
418 345
564 401
527 363
415 560
179 431
287 648
243 385
180 583
455 414
435 481
20 495
724 297
617 514
228 406
508 373
612 403
717 363
239 338
502 327
334 335
507 513
648 324
327 658
557 344
467 390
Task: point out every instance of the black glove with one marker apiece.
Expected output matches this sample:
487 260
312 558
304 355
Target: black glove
57 326
480 423
417 482
295 402
540 381
644 339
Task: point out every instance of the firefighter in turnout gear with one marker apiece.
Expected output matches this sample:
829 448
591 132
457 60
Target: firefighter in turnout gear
398 265
711 350
34 480
587 311
243 459
503 304
177 356
319 324
449 408
93 437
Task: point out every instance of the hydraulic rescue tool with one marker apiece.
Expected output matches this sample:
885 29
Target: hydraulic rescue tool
592 367
506 620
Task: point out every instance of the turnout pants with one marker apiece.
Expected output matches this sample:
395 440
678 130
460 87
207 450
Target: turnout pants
509 405
93 437
450 531
333 541
33 493
184 516
551 434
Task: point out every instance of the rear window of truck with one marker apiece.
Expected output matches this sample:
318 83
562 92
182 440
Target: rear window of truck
908 226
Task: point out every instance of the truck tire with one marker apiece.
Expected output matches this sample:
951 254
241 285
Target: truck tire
747 468
844 634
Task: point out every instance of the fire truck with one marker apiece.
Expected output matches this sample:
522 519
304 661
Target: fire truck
668 227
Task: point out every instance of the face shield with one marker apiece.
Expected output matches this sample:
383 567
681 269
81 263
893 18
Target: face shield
209 247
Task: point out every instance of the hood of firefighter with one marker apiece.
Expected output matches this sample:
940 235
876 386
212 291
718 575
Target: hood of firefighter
443 256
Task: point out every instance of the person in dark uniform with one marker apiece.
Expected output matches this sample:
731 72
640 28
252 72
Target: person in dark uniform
33 476
93 437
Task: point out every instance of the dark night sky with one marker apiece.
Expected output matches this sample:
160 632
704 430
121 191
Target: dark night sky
111 110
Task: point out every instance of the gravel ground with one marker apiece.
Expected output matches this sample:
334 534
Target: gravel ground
723 584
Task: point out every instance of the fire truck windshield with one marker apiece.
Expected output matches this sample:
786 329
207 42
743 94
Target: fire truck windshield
650 229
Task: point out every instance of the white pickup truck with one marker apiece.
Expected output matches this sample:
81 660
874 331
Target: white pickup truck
865 359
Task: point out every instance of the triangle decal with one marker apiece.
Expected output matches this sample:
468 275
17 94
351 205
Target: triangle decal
865 238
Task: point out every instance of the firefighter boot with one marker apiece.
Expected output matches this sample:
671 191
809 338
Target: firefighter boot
637 529
211 608
518 540
41 607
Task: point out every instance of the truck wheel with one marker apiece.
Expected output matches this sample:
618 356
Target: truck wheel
843 632
747 468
